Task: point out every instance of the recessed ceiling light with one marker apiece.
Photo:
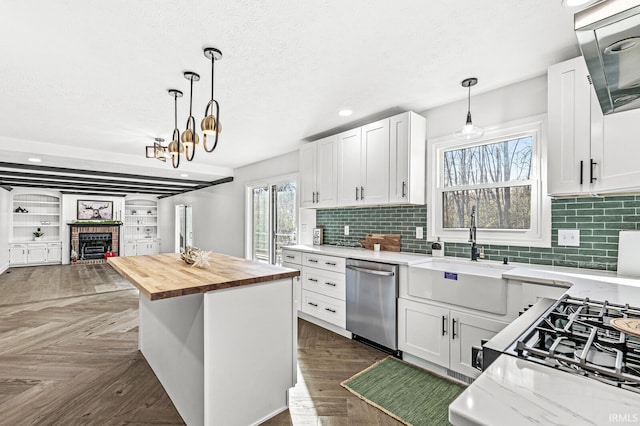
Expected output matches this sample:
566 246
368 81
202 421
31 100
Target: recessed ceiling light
35 160
184 175
345 112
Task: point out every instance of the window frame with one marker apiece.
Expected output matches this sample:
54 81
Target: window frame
539 235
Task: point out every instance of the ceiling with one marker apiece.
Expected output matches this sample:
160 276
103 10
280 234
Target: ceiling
84 83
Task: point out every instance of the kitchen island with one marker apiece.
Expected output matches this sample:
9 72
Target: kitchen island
221 339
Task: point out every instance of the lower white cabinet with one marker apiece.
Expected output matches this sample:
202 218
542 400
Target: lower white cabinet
441 335
324 307
141 247
35 253
297 290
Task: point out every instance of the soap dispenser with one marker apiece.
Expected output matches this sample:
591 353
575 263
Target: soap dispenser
437 248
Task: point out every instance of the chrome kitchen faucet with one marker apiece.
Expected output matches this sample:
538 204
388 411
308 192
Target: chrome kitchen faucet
472 235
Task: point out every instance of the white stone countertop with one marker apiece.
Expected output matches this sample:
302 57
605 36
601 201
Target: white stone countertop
398 258
517 392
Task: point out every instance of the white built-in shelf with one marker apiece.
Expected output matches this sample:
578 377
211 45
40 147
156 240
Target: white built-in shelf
37 214
32 202
140 215
42 206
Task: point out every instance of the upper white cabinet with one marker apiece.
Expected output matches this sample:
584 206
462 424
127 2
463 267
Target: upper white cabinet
319 173
376 164
588 152
407 149
363 165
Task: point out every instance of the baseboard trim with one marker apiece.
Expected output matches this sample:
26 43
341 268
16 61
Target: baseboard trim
3 268
325 324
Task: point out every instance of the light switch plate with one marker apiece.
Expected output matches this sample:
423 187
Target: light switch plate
569 237
419 232
346 230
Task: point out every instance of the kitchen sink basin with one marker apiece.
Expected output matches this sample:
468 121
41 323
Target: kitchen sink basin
458 282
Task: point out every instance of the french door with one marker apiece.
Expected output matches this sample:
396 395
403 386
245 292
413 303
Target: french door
272 219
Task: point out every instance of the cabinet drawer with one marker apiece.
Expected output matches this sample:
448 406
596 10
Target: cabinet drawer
329 263
324 307
292 257
324 282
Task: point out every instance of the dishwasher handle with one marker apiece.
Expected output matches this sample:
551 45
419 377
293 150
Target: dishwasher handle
371 271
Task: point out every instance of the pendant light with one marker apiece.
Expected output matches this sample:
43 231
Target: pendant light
210 124
175 148
189 137
469 132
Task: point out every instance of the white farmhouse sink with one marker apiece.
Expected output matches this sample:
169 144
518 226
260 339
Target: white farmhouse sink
464 283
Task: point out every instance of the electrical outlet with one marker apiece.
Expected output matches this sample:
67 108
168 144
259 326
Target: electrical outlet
346 230
569 237
419 234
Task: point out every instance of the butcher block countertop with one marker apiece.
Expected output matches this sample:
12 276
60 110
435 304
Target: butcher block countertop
162 276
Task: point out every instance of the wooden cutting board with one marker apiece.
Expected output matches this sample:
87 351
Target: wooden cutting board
388 242
627 325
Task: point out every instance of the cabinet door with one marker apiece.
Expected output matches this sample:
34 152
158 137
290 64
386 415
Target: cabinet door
467 331
569 118
54 252
617 152
423 331
37 253
297 286
308 172
18 254
374 163
130 248
143 248
349 154
407 158
154 247
327 172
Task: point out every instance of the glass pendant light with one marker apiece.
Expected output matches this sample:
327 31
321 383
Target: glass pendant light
469 132
189 137
210 124
175 148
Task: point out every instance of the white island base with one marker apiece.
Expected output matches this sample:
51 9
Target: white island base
225 357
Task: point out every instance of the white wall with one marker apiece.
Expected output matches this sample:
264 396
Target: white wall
69 207
520 100
219 211
5 220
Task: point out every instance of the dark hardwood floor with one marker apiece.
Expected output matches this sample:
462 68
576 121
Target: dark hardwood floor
68 356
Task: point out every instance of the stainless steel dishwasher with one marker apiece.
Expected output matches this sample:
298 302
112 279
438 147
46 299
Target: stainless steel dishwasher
372 293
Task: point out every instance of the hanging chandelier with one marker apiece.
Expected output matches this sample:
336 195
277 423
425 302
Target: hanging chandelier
175 147
157 150
210 124
469 131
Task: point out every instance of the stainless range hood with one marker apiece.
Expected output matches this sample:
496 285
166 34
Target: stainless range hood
609 37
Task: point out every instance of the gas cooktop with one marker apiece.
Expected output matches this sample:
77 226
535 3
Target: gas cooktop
575 336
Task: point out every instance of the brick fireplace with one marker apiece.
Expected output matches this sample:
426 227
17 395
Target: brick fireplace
92 240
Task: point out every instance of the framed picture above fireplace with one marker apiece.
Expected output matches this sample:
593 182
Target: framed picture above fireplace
95 210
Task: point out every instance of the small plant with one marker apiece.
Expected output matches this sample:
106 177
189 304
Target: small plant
38 233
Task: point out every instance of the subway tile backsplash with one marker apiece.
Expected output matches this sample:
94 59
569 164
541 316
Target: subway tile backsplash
599 220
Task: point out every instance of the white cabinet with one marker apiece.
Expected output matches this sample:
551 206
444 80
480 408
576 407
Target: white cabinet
37 253
35 211
443 336
140 218
22 254
141 247
293 260
363 165
17 254
407 159
319 173
587 152
54 252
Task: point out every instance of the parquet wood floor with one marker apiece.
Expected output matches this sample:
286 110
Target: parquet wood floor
68 356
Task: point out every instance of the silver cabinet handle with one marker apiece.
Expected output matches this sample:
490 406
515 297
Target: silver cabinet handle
362 192
290 257
333 311
331 284
330 263
313 280
404 187
312 304
371 271
312 260
357 196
